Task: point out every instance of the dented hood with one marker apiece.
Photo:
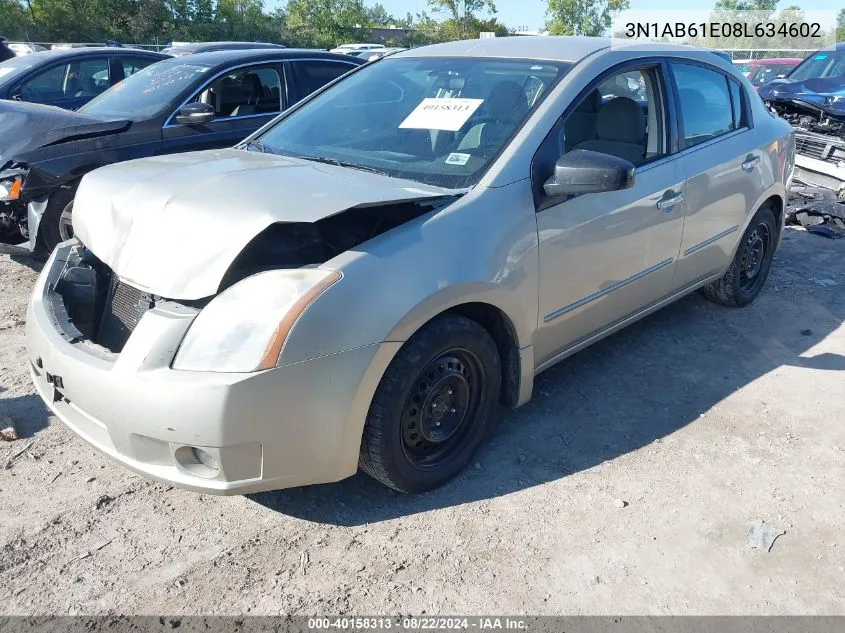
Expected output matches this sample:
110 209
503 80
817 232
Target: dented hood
172 225
825 93
28 126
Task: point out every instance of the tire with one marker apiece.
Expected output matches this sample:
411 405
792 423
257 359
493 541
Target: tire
749 269
54 227
418 434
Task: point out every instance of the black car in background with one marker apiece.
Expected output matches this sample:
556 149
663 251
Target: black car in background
70 78
204 101
191 48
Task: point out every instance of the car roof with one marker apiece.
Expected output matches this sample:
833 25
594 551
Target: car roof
191 46
548 47
215 58
88 50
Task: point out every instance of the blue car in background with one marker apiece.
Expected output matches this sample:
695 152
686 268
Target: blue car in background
70 78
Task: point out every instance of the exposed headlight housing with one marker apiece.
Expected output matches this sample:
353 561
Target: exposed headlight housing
10 189
245 327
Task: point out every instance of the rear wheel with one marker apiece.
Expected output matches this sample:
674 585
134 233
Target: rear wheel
750 266
432 406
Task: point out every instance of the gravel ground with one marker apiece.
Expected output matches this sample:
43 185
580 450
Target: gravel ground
625 486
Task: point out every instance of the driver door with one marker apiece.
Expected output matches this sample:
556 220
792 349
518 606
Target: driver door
244 99
606 256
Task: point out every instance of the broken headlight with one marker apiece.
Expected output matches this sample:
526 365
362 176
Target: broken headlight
244 328
10 189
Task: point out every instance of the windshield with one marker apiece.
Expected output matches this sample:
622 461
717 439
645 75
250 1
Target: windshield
13 67
147 92
823 64
760 75
440 121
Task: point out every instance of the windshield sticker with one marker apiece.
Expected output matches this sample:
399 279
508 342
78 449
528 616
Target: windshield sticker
448 114
456 158
820 57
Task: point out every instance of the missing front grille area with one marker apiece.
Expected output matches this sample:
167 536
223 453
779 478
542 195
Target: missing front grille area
123 310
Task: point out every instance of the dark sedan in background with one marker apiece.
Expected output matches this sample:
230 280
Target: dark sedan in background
70 78
205 101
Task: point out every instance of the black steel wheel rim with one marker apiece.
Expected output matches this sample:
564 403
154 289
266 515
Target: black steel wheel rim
755 250
442 407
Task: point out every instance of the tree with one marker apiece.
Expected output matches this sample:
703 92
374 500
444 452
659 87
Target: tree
582 17
746 5
840 26
463 21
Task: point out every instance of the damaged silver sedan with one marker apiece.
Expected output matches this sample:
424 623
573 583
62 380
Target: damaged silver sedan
364 281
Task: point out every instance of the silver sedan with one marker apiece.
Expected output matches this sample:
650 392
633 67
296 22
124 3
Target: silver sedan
368 278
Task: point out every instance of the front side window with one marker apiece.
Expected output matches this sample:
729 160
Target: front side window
622 116
441 121
148 92
244 92
705 103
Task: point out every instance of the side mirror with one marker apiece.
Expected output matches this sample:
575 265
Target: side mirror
585 171
195 113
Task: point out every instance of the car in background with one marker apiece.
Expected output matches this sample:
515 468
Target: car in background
346 49
367 279
204 101
70 78
22 48
762 71
192 48
812 98
5 51
742 65
373 55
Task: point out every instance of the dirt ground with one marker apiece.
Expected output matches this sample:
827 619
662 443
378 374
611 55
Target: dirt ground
625 486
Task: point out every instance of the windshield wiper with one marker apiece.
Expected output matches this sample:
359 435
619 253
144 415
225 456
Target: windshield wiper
343 163
257 146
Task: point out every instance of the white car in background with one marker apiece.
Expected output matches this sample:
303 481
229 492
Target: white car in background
346 49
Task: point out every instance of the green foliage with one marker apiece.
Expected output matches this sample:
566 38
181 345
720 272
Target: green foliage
582 17
840 26
307 23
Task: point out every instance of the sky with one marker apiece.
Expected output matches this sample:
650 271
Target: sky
530 14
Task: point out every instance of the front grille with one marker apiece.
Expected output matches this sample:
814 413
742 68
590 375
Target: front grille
123 310
813 148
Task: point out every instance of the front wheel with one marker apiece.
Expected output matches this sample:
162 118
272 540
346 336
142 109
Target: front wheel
57 221
432 407
750 266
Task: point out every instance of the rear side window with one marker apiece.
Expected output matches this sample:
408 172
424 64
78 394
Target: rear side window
313 75
132 65
738 103
707 110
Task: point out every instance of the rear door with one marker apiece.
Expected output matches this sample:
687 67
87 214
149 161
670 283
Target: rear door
244 98
721 167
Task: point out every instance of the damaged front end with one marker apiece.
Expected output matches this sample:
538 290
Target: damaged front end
92 305
819 144
14 221
817 197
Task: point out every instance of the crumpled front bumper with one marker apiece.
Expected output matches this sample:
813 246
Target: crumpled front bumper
289 426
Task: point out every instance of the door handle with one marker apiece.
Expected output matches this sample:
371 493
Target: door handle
750 162
666 204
